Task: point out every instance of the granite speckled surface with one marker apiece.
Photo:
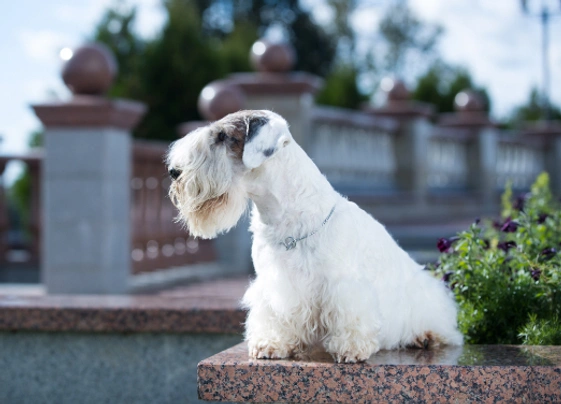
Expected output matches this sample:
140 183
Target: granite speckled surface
210 307
460 375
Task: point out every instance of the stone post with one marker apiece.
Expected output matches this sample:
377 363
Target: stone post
86 180
411 139
273 86
550 132
482 148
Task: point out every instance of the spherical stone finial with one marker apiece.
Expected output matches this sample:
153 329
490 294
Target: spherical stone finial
273 58
219 99
395 89
469 100
90 70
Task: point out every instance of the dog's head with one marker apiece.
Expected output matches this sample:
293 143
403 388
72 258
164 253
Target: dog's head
208 164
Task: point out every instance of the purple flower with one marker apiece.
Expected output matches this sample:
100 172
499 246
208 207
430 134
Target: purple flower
509 226
445 244
542 217
536 273
506 245
477 221
446 276
548 253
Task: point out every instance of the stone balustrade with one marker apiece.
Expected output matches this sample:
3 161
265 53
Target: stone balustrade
402 163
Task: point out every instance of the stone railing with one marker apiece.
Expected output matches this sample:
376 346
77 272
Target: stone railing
447 160
520 158
157 242
400 162
353 149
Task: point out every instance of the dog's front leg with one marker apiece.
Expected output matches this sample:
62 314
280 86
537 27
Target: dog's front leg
268 337
351 317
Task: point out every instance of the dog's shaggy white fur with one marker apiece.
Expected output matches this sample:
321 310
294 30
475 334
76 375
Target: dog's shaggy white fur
348 287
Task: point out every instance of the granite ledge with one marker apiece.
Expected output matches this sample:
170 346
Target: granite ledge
476 373
209 307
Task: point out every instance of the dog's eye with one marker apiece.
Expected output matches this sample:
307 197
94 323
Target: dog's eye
221 136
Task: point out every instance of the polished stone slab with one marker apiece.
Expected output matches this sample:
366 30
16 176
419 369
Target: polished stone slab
211 307
476 373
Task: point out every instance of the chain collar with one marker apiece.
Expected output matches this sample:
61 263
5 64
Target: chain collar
290 242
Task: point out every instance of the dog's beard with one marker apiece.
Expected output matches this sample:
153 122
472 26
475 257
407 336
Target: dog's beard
209 200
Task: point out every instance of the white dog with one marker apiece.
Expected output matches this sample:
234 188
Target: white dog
327 272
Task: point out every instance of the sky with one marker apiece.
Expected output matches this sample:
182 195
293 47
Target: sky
492 38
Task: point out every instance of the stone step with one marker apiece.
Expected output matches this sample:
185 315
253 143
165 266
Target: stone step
472 373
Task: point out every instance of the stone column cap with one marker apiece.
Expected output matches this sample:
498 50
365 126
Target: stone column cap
90 111
268 83
470 112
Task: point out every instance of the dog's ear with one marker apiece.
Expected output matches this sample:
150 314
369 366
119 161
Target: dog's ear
264 137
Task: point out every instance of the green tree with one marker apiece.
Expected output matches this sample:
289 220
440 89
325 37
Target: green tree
177 65
201 41
116 31
314 47
533 110
342 27
442 82
340 89
409 40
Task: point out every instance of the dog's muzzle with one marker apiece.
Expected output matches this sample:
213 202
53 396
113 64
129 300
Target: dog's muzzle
174 173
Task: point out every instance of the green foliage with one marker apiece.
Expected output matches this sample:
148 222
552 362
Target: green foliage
340 89
314 47
442 82
506 276
541 332
20 191
115 30
201 41
533 110
176 67
405 34
234 49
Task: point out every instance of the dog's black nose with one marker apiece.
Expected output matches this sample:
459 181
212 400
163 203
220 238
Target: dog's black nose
174 174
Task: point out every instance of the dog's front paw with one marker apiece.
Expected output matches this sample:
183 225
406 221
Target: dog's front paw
344 350
349 357
266 349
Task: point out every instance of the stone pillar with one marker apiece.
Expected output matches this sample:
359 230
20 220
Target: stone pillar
86 180
273 86
550 133
482 148
411 139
